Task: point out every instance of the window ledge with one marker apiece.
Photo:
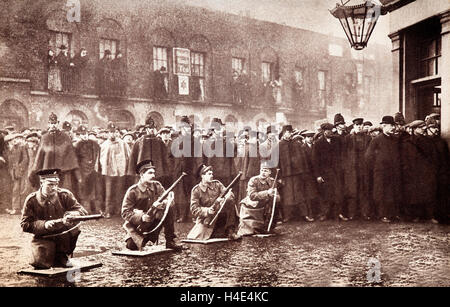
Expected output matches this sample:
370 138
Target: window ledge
17 80
425 79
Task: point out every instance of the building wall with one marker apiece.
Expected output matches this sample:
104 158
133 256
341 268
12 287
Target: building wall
141 25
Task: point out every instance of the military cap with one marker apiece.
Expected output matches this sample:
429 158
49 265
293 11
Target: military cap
247 128
203 169
49 174
9 127
52 118
266 164
399 119
368 123
91 132
326 126
387 120
144 165
417 124
358 121
339 119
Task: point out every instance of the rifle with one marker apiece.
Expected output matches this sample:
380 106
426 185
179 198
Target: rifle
225 200
143 228
80 218
274 201
76 218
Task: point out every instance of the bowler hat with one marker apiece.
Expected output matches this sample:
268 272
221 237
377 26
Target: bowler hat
111 127
66 125
81 130
387 120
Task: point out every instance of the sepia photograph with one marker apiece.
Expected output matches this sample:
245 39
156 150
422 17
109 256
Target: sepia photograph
224 149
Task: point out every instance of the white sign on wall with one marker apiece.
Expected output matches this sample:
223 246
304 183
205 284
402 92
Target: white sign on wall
183 85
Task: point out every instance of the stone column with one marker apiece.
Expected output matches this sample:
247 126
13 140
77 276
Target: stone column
445 76
397 73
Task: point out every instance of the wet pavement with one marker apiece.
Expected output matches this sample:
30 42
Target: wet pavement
328 253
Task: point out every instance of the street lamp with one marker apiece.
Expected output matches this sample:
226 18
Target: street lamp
358 21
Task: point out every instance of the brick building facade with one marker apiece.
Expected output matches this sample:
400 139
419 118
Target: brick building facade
288 75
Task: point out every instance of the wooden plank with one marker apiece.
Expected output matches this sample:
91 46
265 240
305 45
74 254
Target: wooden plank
264 235
148 250
209 241
79 264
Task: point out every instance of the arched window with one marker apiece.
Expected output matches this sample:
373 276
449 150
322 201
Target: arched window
122 119
76 118
13 112
157 119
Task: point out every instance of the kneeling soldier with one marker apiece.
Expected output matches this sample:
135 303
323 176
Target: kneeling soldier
47 214
256 208
140 207
205 204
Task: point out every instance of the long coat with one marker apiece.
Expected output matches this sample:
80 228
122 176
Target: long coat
290 168
326 159
419 167
383 158
114 158
55 151
356 181
149 147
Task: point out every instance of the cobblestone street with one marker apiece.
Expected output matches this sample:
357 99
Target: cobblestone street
326 253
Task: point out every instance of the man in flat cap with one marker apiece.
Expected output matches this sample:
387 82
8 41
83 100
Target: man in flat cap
17 162
47 212
114 162
442 207
420 173
205 204
256 207
88 153
56 151
140 207
326 160
290 164
383 159
356 180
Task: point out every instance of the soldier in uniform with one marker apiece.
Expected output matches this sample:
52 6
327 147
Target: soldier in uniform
256 208
205 203
88 153
140 205
47 212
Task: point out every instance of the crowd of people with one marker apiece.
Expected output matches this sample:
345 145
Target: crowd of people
387 171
